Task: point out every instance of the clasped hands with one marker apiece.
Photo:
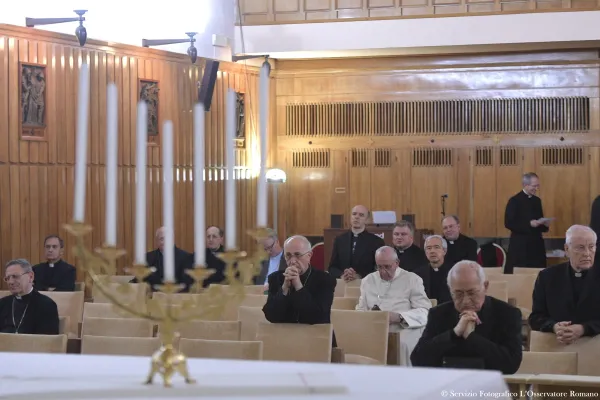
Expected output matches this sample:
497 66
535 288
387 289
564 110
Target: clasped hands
567 333
350 275
537 222
466 324
291 279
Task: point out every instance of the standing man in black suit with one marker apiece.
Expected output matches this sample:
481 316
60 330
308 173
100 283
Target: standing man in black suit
55 274
473 331
460 247
353 254
566 297
275 261
524 218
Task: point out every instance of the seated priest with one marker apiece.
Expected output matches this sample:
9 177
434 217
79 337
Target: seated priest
566 297
26 310
460 247
214 239
411 256
401 294
54 274
353 253
473 331
275 262
437 269
154 258
300 294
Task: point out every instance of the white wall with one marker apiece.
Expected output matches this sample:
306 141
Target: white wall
127 21
335 38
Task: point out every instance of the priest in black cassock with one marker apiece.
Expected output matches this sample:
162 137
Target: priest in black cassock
566 297
353 253
26 311
460 247
54 275
437 269
524 218
411 256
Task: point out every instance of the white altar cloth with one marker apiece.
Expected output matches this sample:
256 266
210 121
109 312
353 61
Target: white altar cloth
78 377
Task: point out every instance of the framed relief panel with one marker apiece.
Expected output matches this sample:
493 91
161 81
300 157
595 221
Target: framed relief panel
240 112
149 92
32 96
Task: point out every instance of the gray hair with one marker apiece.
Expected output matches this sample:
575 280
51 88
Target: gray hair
579 229
383 249
444 242
303 239
455 217
406 224
23 263
271 233
527 178
462 265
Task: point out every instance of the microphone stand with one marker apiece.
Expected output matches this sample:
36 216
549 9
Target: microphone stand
443 206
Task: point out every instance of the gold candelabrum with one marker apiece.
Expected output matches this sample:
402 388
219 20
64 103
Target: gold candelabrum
168 312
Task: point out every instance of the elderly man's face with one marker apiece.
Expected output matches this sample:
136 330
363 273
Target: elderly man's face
451 228
533 186
582 250
297 255
387 264
213 239
434 251
160 239
468 293
18 281
271 246
402 237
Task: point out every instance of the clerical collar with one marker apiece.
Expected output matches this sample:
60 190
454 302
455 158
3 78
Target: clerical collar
358 234
436 269
578 274
25 295
401 250
527 194
452 241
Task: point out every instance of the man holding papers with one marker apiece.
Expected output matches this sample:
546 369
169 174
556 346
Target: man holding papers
524 218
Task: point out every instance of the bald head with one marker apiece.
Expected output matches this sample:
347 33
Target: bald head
358 218
580 246
297 252
468 286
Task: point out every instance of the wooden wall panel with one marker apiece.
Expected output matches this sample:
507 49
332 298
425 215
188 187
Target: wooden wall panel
495 113
36 176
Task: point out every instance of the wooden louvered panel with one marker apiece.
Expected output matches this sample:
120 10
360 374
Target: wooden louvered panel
562 156
432 157
508 156
484 157
524 115
360 158
383 158
311 158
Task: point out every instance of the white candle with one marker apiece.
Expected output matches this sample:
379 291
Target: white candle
140 188
230 199
83 99
263 103
169 251
199 211
111 165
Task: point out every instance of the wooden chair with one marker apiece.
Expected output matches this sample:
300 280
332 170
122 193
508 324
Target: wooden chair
63 325
362 333
4 293
493 271
526 271
340 288
80 286
352 291
119 327
123 346
587 349
318 256
103 310
255 289
344 303
210 330
70 304
137 294
535 362
498 290
520 288
254 300
354 283
23 343
296 342
250 317
223 349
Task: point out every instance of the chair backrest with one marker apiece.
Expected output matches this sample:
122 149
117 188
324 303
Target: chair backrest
493 271
520 287
80 286
344 303
132 293
254 300
362 332
119 327
587 349
296 342
103 310
498 290
500 255
340 288
69 304
24 343
4 293
124 346
250 317
354 283
254 289
352 291
63 325
535 362
210 330
318 256
223 349
526 271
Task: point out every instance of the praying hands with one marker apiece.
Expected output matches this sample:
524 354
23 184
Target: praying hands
466 324
567 333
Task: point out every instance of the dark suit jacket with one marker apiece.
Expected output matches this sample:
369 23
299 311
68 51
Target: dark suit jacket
363 259
553 300
496 341
40 318
310 305
183 261
212 262
61 277
264 269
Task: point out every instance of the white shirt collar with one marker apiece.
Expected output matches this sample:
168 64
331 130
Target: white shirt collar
528 195
30 290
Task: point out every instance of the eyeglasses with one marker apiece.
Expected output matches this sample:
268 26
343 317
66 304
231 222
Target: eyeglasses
458 294
386 267
15 277
289 256
583 249
268 248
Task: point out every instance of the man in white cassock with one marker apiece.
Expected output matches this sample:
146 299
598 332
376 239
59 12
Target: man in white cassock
401 294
